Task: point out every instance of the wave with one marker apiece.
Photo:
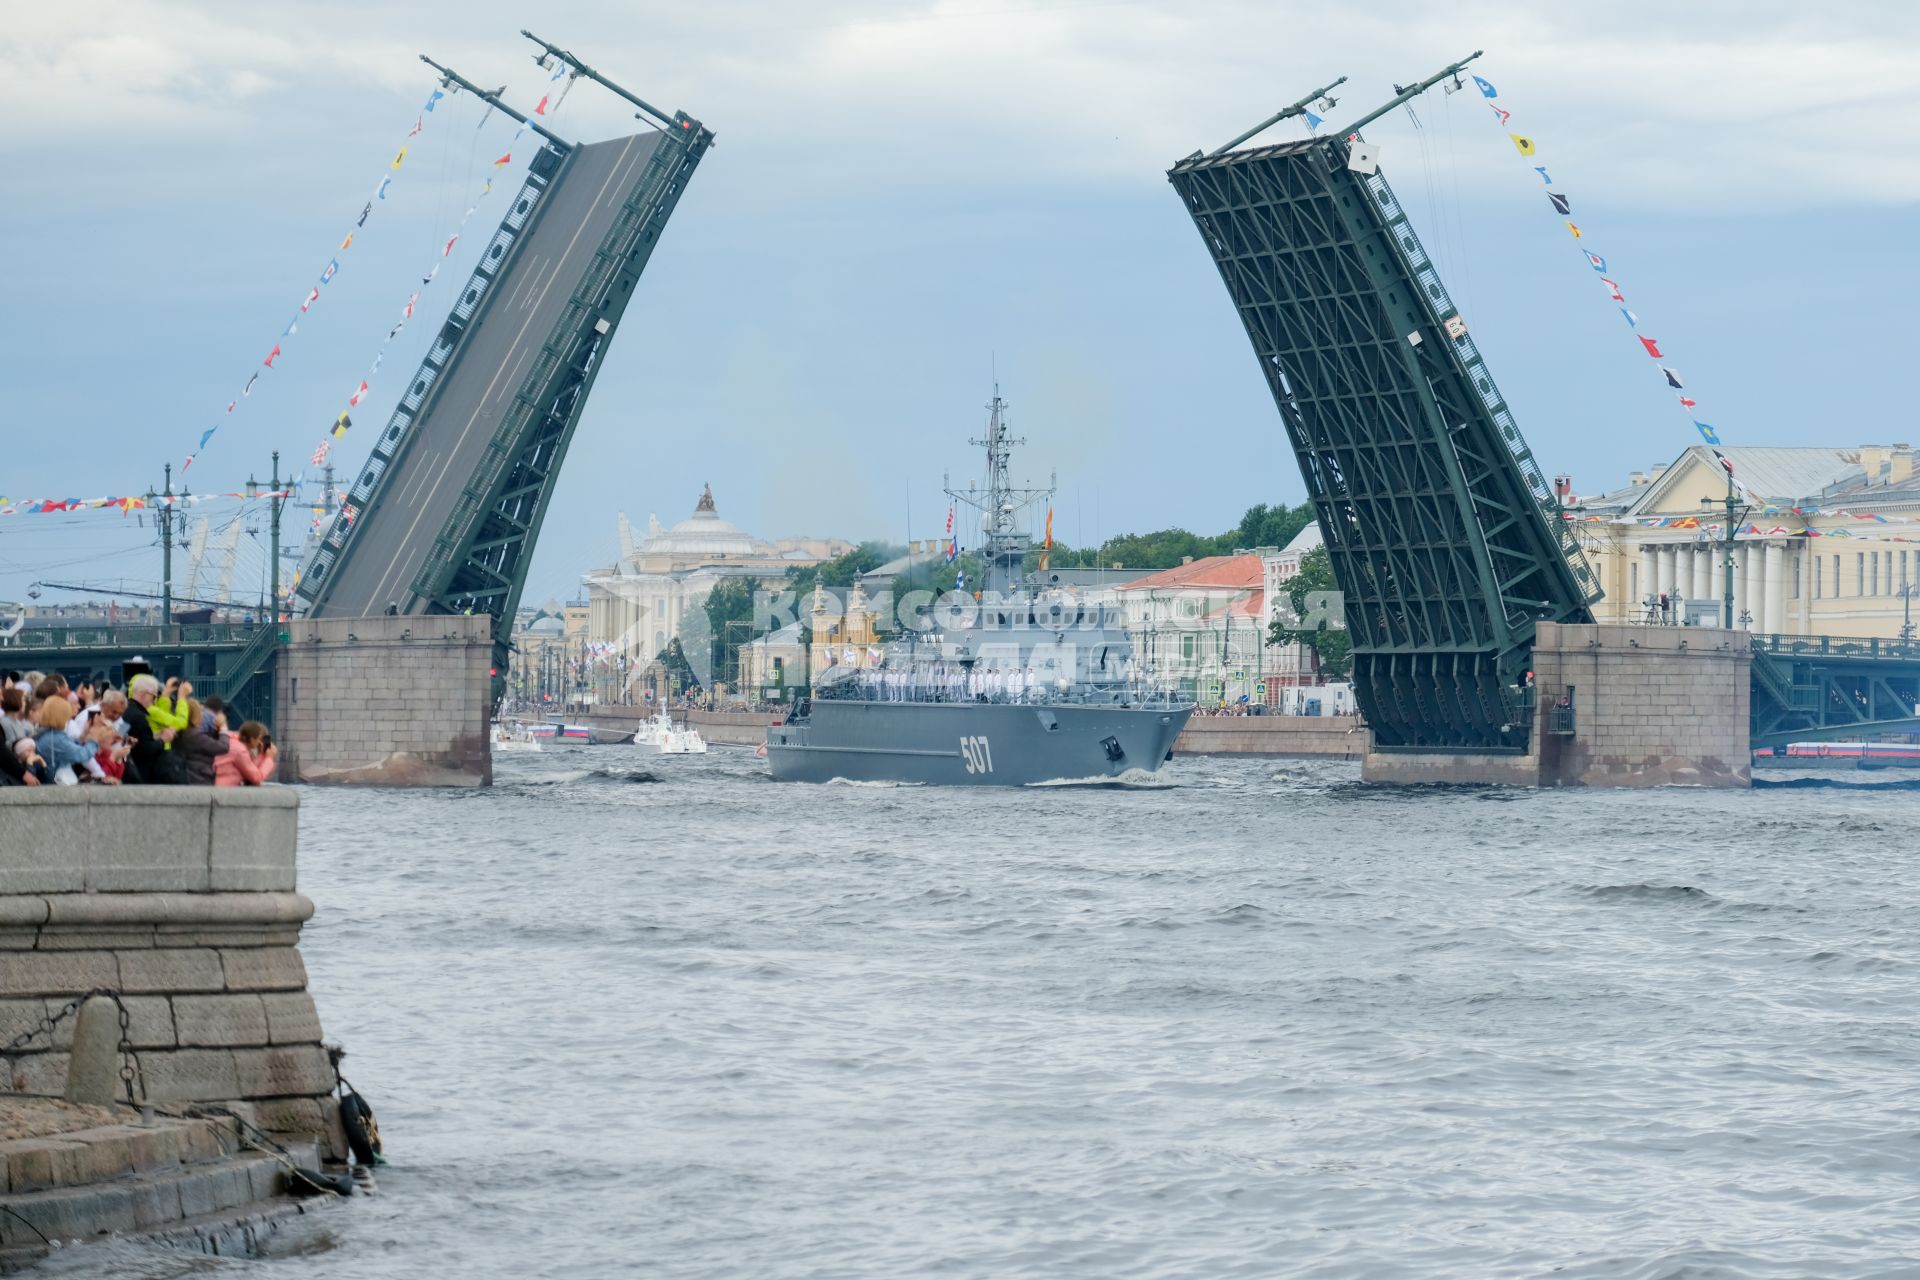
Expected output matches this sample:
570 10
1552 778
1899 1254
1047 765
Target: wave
577 775
1648 893
1142 779
1833 784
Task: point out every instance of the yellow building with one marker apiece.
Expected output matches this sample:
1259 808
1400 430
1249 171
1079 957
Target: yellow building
1826 542
843 637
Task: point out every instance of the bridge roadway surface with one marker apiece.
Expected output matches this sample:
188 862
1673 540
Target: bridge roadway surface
417 495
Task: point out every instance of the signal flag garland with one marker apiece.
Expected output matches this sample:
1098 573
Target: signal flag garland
1562 207
338 427
327 274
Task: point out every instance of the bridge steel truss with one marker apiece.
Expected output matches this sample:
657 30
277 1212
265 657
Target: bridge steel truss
1445 538
479 561
479 557
1811 687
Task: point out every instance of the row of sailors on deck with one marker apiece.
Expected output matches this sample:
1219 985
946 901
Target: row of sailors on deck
942 683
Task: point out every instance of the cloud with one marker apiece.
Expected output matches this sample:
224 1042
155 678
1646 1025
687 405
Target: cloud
1705 106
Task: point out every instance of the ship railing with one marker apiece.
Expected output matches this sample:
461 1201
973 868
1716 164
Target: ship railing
1097 696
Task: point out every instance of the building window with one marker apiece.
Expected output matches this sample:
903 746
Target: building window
1633 582
1873 573
1859 573
1817 584
1836 576
1796 577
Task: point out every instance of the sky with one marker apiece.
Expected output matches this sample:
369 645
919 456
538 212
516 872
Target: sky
906 200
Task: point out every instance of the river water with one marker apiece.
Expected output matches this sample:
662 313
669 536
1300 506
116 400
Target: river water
672 1019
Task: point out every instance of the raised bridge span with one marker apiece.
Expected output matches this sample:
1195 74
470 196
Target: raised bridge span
443 517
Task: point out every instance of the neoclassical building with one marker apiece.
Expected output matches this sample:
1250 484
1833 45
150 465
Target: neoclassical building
636 605
1826 541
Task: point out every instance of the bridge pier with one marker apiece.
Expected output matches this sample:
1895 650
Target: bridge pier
1617 705
387 701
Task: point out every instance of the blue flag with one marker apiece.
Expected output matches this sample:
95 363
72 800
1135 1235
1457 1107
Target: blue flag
1486 90
1706 433
1542 171
381 194
204 437
333 269
434 97
1314 121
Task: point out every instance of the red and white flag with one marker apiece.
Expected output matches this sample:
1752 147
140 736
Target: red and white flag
449 249
273 355
407 312
313 296
359 395
1653 348
1613 290
320 454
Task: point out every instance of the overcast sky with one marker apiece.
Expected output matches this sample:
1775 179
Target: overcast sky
907 196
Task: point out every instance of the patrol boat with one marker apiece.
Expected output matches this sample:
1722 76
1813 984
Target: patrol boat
1007 688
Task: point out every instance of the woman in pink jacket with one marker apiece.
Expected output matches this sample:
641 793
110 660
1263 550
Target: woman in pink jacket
249 759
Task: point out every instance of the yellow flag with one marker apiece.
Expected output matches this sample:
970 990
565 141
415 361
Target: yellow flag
348 242
402 157
1574 229
1520 140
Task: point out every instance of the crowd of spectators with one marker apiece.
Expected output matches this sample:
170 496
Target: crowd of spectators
151 733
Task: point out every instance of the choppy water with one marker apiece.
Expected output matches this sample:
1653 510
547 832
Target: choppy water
1260 1022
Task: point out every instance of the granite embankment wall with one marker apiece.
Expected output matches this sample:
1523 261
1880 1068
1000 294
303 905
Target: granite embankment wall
183 900
1338 737
401 701
1650 707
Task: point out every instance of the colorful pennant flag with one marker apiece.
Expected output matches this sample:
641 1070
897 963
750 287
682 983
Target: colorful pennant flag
333 269
399 159
359 394
540 108
273 355
313 296
1562 205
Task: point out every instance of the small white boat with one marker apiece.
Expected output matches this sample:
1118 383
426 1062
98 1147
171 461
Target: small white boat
660 736
513 737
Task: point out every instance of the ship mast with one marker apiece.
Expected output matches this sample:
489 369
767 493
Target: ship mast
1000 504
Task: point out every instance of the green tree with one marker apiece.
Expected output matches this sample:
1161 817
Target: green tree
674 659
1315 619
842 569
730 602
1275 526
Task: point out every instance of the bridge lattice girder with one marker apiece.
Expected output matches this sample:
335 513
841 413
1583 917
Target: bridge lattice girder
1445 539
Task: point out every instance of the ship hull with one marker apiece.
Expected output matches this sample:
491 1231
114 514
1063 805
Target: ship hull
970 744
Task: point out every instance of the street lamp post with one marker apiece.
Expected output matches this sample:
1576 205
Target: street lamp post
1731 501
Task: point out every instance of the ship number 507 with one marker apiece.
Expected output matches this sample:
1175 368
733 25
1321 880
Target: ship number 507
976 754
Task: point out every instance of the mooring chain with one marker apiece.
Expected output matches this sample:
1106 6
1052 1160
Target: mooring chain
130 1066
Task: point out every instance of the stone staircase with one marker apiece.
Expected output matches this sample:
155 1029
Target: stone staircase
189 1181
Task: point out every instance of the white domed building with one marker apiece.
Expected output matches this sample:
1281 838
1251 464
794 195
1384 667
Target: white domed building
636 605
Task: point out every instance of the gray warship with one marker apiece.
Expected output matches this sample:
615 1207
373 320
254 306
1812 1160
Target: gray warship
1007 688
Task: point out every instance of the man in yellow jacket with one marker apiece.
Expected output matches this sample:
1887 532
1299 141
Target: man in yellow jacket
169 709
